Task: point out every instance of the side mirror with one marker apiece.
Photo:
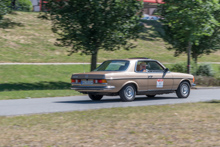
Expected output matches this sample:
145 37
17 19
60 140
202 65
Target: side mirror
166 69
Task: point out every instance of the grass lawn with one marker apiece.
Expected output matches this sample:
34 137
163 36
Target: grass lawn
216 69
26 38
24 81
193 124
6 95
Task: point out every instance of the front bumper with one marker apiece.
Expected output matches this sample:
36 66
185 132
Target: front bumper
93 88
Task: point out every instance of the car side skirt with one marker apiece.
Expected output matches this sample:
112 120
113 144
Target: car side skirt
154 92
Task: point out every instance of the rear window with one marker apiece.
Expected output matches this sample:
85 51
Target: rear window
114 65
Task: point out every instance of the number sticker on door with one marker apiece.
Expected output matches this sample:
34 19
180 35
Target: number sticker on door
159 83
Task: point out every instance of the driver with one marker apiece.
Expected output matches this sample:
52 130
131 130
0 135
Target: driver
143 66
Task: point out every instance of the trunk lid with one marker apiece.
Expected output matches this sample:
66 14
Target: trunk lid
91 75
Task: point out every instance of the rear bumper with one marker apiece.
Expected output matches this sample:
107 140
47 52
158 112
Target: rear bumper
84 88
193 85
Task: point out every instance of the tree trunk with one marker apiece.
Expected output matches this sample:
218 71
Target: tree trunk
13 4
195 62
94 60
196 59
188 58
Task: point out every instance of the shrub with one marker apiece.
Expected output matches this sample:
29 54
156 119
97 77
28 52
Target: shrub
207 81
179 67
24 5
205 70
3 8
202 70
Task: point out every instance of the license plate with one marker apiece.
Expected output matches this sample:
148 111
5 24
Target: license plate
87 82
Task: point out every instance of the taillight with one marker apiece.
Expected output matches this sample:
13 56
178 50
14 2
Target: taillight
193 79
100 81
76 81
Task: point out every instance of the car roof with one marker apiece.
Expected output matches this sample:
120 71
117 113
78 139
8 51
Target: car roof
135 59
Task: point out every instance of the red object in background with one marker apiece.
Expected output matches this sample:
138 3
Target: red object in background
154 1
148 1
42 3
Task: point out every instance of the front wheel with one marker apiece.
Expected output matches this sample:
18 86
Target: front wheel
183 90
95 97
127 93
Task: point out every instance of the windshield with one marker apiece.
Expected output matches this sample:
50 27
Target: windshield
114 65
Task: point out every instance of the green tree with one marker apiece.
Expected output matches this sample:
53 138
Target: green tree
4 7
189 24
90 25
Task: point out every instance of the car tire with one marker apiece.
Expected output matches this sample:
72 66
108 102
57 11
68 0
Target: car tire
151 95
183 90
127 93
95 97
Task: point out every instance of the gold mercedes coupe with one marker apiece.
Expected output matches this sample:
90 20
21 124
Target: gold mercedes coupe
130 77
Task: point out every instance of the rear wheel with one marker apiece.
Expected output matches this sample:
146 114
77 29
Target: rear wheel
127 93
183 90
151 95
95 97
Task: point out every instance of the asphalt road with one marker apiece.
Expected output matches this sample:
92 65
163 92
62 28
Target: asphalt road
79 103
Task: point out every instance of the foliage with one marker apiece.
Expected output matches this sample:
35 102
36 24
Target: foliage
179 67
24 5
191 24
205 70
182 67
207 81
91 25
208 44
201 70
4 8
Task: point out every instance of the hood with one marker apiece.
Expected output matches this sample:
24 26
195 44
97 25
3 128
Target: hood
183 75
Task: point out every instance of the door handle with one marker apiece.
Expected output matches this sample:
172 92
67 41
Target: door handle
150 76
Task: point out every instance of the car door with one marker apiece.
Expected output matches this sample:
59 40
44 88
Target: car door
141 77
158 78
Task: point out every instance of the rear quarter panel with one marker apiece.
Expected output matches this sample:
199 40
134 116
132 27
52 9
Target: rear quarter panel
120 79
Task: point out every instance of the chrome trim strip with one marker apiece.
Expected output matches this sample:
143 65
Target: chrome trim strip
89 78
140 78
76 83
155 90
93 83
100 83
92 87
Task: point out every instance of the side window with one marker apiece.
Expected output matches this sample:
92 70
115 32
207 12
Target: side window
141 66
148 66
154 67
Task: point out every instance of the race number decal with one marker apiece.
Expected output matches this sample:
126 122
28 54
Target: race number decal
159 83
